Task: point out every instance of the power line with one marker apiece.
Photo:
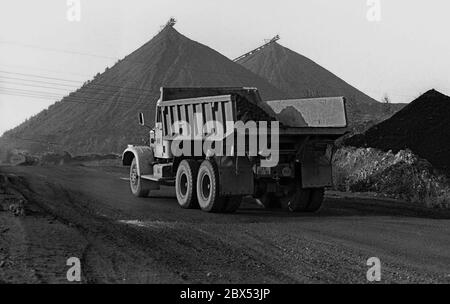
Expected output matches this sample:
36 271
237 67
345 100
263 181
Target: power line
72 99
35 86
57 50
90 90
88 54
92 83
48 94
67 51
76 99
186 68
39 81
34 75
42 69
67 99
89 86
139 62
79 100
24 95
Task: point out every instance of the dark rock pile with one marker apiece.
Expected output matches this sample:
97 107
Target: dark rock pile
423 127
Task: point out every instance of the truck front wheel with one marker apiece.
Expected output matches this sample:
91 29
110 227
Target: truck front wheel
137 185
185 184
208 188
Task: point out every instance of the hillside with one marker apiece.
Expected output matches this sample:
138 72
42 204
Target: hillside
301 77
102 115
423 126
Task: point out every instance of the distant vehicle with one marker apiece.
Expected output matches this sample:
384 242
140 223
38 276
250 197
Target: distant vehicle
307 130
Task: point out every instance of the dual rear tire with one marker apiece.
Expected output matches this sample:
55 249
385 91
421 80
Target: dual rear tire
198 186
303 200
185 181
291 197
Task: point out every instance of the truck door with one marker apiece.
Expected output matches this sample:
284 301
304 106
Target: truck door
158 134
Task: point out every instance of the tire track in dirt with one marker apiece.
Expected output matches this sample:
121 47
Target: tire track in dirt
152 240
180 253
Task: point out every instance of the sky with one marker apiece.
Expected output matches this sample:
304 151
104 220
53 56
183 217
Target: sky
398 48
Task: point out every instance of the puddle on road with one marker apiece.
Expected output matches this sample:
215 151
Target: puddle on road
149 224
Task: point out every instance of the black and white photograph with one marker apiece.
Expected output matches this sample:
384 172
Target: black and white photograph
216 145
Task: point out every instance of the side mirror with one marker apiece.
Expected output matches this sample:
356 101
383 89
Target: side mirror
141 119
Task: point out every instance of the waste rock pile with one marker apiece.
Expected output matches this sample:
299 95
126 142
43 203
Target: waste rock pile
423 126
400 175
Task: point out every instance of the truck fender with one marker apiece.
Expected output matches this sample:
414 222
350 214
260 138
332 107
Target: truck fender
144 158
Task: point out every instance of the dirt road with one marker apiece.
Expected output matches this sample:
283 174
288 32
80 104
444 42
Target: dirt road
89 212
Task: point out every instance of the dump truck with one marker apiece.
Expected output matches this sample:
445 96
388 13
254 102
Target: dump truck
217 146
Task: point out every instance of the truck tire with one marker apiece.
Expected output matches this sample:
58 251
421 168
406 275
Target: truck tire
138 186
208 188
303 200
232 204
185 184
269 200
315 199
296 200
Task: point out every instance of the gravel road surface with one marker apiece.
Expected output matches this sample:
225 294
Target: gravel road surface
89 212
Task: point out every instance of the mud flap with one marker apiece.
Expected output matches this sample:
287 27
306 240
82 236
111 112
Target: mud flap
316 169
235 178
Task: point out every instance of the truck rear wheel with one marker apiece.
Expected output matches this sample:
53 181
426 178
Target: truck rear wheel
232 204
315 199
296 200
303 200
208 188
138 186
269 200
185 181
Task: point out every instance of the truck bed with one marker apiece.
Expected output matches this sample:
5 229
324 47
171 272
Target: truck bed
316 113
298 117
